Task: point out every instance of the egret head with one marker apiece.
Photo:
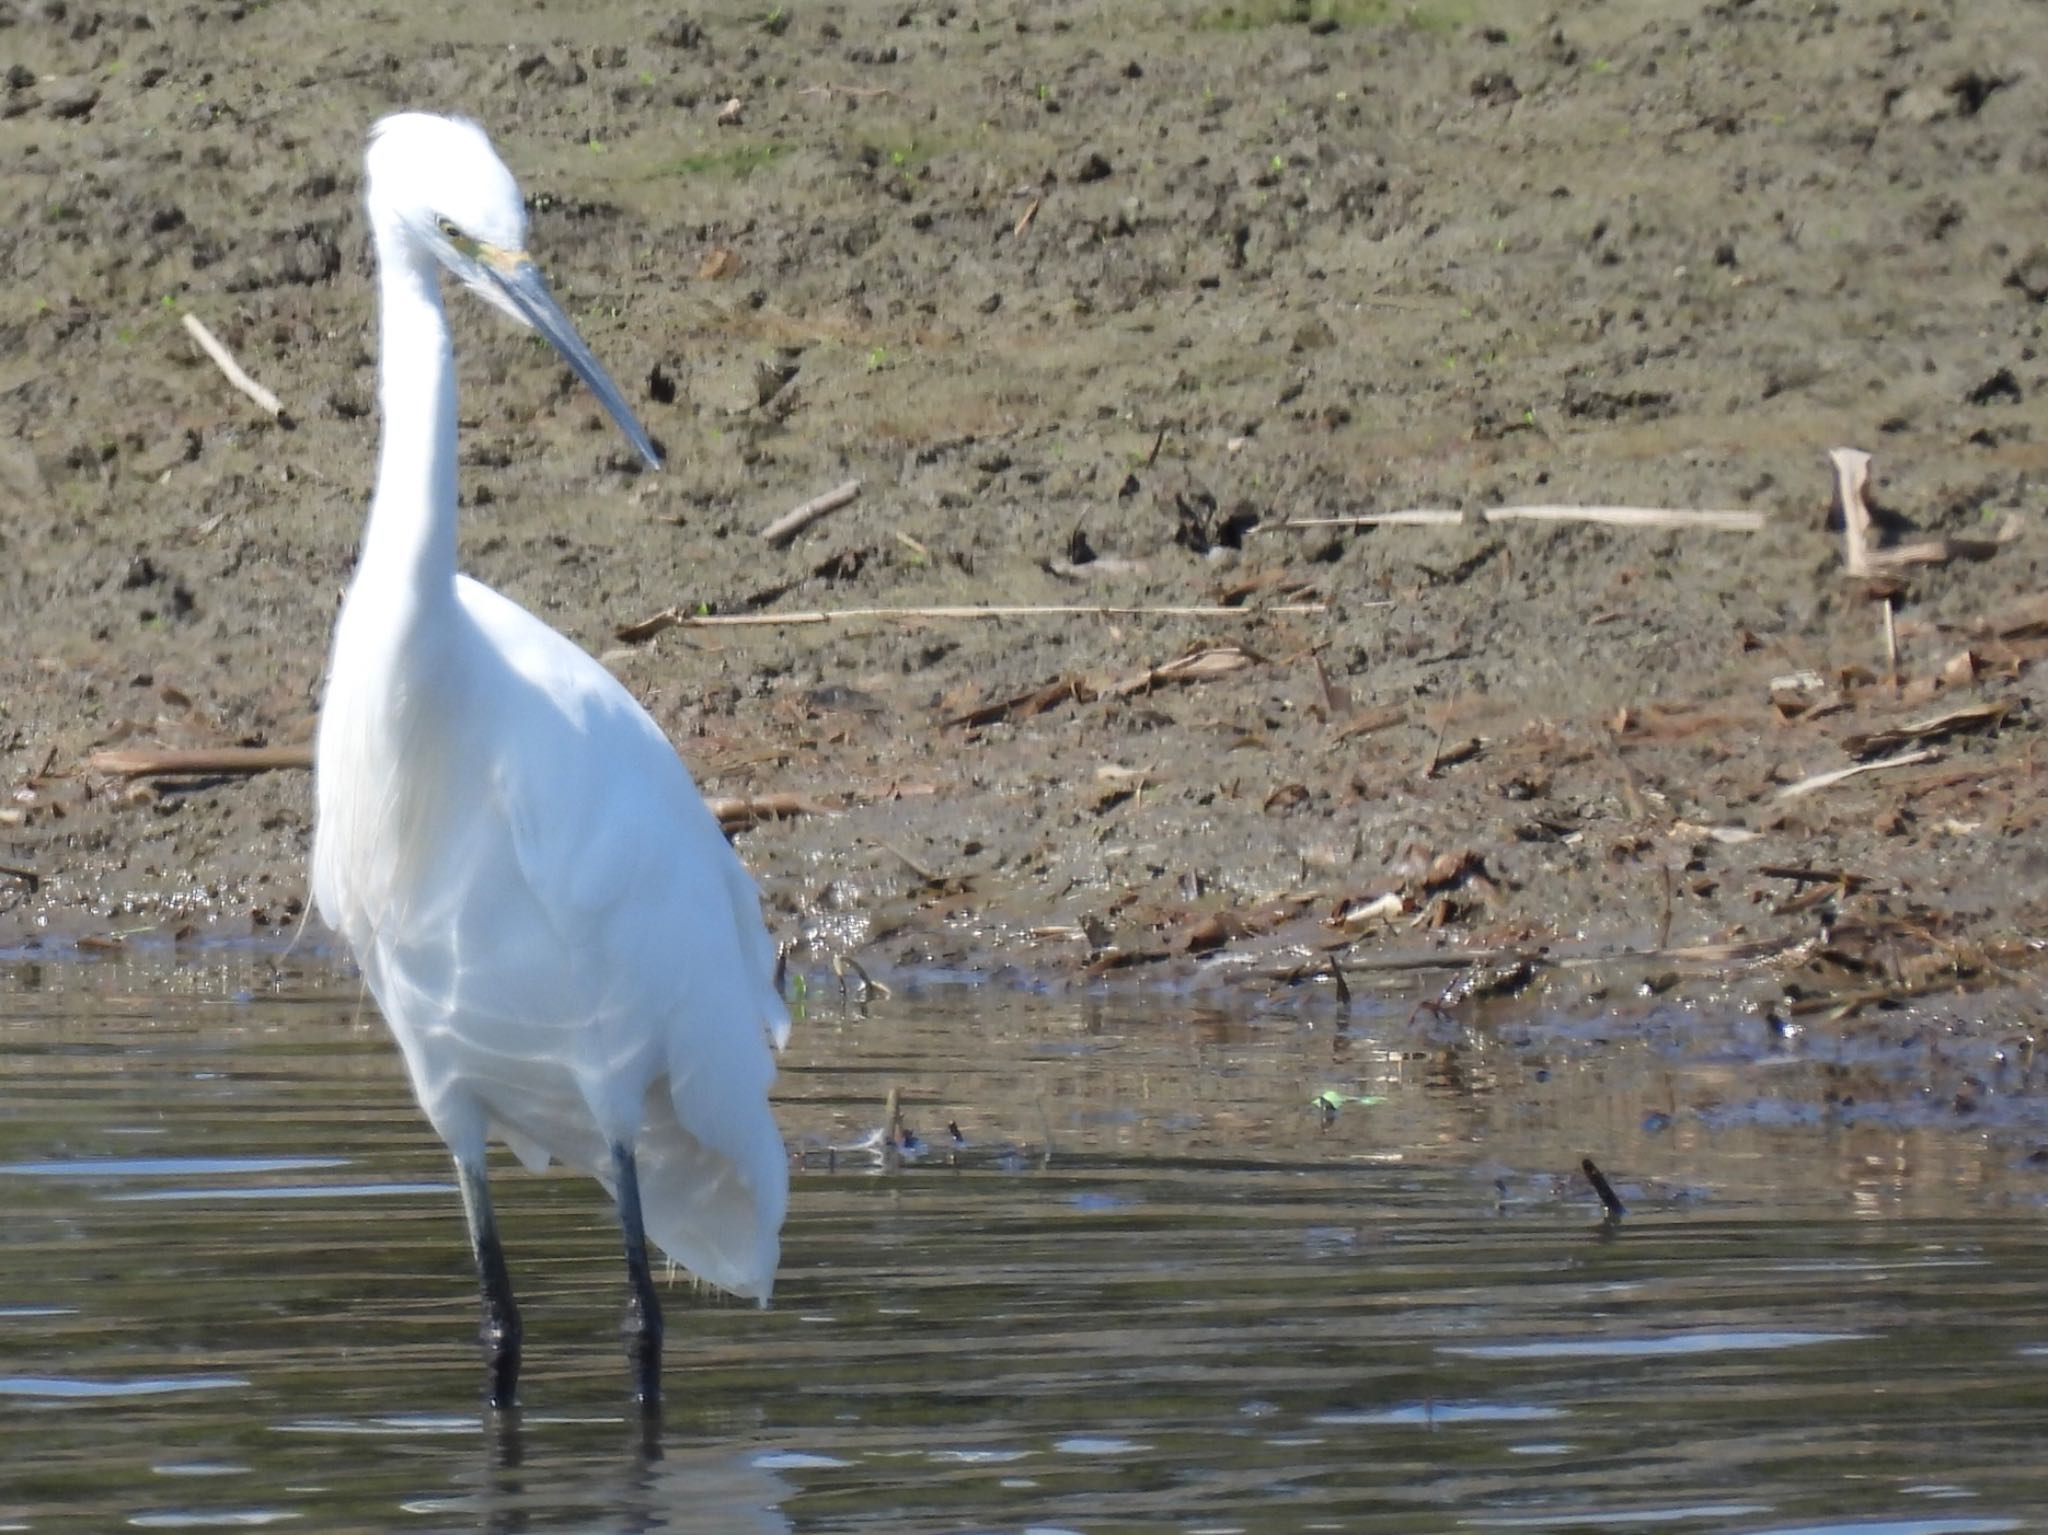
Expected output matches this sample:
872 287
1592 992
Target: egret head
438 182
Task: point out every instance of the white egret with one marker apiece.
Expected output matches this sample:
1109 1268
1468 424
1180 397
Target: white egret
570 955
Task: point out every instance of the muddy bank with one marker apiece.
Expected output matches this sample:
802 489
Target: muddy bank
1092 300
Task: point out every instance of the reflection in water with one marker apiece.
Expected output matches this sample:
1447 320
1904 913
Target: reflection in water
1149 1285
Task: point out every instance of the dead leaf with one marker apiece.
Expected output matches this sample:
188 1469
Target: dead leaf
720 261
1286 797
1939 727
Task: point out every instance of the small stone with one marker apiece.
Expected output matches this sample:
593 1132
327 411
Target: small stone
1921 105
1496 87
1312 335
1092 168
73 105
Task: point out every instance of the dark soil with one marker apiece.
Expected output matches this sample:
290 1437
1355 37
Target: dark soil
1092 298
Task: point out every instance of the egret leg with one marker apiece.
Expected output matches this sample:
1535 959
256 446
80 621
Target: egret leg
499 1332
642 1326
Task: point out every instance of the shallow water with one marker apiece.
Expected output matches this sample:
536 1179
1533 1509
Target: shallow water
1152 1288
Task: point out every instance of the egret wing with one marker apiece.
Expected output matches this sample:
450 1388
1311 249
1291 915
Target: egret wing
671 970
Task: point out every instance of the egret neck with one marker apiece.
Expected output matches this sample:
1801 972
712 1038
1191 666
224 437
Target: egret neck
410 540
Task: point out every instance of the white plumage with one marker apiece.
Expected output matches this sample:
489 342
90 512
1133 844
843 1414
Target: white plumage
569 953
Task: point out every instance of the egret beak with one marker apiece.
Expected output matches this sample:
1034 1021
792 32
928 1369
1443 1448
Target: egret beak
518 280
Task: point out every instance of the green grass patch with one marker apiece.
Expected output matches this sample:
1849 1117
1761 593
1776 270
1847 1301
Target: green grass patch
728 162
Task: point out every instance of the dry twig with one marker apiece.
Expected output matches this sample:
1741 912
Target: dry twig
857 92
1368 721
735 813
1609 1200
1215 661
738 812
1611 516
1828 780
676 618
205 761
1968 717
1861 557
1852 473
223 359
791 523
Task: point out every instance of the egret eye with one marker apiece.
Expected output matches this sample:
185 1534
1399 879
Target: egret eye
453 234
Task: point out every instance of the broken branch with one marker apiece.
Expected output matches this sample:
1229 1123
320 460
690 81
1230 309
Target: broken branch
1611 516
230 369
1860 557
206 761
735 813
791 523
1828 780
1215 661
738 812
676 618
1969 717
1852 473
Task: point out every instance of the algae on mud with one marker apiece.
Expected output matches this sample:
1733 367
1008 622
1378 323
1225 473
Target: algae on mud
1283 262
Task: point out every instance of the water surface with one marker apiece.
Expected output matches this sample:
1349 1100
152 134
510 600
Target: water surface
1151 1287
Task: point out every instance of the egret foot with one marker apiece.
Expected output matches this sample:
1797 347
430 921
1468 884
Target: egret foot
642 1327
499 1332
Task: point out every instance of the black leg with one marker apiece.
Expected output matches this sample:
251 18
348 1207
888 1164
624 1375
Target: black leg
642 1327
499 1333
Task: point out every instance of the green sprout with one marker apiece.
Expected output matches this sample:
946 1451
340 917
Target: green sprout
1329 1101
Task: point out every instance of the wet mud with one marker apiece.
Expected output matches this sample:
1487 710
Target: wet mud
1094 301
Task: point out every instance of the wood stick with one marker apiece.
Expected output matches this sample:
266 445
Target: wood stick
1860 555
791 523
1826 780
1611 516
205 761
733 811
738 812
1609 1200
1436 747
225 360
1852 473
676 618
1368 721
